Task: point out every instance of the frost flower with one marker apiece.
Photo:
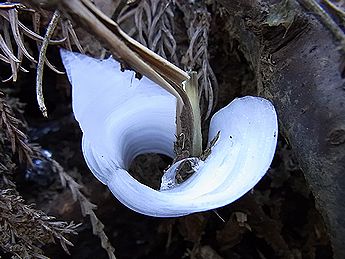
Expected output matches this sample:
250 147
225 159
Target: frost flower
122 117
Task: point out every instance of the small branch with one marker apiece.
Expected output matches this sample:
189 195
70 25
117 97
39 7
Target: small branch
42 60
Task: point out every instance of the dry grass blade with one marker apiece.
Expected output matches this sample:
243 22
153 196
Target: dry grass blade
10 18
11 58
53 68
36 21
31 34
7 60
87 208
74 36
13 18
69 34
338 10
42 60
125 14
14 63
141 23
37 37
64 32
4 59
4 47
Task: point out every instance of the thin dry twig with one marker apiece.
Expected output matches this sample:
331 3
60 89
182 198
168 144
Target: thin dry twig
29 33
72 35
87 208
41 61
36 21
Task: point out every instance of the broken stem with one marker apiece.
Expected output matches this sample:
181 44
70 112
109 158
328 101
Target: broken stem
161 65
192 91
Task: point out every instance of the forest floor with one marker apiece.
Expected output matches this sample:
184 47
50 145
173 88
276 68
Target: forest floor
277 219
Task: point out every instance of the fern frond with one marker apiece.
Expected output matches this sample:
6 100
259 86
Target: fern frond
154 26
24 229
87 207
197 56
11 127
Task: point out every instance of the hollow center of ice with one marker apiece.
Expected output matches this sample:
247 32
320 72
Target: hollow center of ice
149 168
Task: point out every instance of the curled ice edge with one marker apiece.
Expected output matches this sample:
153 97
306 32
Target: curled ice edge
122 117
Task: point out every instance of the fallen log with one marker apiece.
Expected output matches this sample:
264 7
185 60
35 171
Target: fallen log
299 65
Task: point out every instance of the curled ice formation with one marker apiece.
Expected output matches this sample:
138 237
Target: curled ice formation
122 117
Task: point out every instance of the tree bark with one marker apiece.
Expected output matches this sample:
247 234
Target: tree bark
300 67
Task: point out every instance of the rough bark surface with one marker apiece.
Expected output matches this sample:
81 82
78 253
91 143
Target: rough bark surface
300 68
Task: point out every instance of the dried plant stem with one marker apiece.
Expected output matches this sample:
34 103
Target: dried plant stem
87 208
70 31
41 61
338 10
137 57
164 68
7 51
27 31
94 20
36 25
191 88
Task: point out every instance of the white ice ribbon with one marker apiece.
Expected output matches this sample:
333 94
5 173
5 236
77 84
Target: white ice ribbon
122 117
